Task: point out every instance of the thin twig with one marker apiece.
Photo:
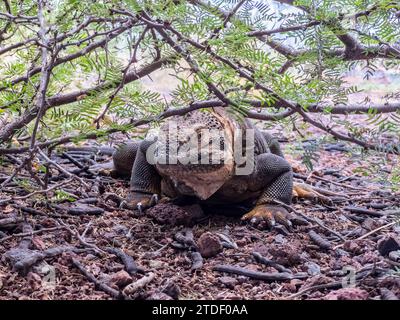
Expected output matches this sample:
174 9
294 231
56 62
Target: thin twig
24 234
265 276
369 233
62 169
80 239
99 284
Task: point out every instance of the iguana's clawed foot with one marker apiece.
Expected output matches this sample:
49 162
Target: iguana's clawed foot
263 216
140 201
304 191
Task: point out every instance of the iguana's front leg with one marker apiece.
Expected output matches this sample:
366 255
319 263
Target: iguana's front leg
145 185
299 190
124 157
273 144
274 175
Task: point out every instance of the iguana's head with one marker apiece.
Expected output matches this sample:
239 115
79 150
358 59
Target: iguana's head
195 151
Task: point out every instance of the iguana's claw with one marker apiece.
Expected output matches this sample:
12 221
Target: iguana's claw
140 201
268 215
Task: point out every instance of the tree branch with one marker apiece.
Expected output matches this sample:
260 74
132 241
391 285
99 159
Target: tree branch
45 71
227 18
113 34
259 33
340 109
360 52
132 60
193 64
8 130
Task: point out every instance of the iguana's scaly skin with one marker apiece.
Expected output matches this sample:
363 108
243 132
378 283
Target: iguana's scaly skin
271 181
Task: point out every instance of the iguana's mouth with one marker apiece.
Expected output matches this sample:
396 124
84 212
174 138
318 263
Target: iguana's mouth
188 169
197 180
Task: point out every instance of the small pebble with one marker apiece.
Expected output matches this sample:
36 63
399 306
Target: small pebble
209 245
172 289
394 255
388 244
280 239
159 296
121 279
347 294
312 268
229 282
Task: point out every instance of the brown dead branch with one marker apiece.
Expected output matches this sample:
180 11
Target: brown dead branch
278 276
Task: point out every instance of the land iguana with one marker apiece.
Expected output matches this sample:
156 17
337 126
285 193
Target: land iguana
268 187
